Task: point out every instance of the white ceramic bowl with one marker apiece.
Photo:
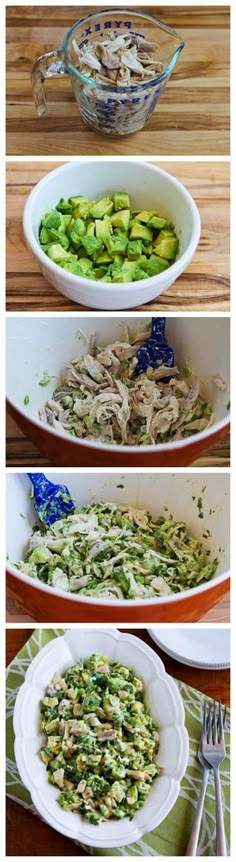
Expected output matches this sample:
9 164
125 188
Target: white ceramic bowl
164 701
142 490
50 343
149 188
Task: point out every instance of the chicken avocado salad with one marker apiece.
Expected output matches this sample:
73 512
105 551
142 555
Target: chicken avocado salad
116 552
101 742
101 396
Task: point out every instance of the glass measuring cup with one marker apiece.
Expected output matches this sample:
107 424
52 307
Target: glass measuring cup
110 109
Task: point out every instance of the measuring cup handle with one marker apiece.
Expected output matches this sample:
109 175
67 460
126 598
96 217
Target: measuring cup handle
46 66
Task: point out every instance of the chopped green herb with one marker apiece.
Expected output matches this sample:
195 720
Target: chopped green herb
26 399
45 379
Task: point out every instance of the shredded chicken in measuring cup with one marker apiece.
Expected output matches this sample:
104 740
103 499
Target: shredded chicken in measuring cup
101 397
118 63
121 60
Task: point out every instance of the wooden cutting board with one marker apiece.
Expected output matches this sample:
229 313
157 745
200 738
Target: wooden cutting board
204 286
191 118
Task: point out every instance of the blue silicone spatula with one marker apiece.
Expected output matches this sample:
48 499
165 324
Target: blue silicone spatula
155 351
51 501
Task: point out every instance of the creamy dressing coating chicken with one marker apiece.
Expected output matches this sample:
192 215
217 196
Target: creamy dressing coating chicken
101 397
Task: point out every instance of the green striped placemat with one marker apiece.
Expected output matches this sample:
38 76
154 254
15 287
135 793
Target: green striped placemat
171 837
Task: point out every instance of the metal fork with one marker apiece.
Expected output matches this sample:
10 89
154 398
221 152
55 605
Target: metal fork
213 750
191 849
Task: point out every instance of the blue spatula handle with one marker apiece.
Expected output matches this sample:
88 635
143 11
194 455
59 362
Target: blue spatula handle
155 351
51 501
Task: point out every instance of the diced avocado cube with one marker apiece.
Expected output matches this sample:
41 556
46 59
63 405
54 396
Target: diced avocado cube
157 223
101 208
116 244
79 227
163 264
44 235
76 200
121 201
118 259
82 208
148 247
144 216
54 219
56 252
166 245
103 227
99 271
59 237
64 207
153 266
75 268
140 274
126 273
46 754
134 249
140 231
75 239
85 263
121 219
141 260
90 229
91 244
67 220
40 555
103 257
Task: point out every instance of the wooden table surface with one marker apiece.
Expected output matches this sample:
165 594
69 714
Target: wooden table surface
26 835
203 286
191 118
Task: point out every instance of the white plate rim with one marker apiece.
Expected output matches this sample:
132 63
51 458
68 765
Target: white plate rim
184 660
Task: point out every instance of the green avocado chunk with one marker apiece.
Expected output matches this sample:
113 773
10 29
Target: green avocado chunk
144 216
103 228
91 244
157 223
153 266
116 244
101 208
56 252
134 249
121 219
166 245
140 231
126 273
121 201
64 206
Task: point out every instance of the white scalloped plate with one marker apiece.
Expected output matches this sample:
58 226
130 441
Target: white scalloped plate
163 698
203 648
